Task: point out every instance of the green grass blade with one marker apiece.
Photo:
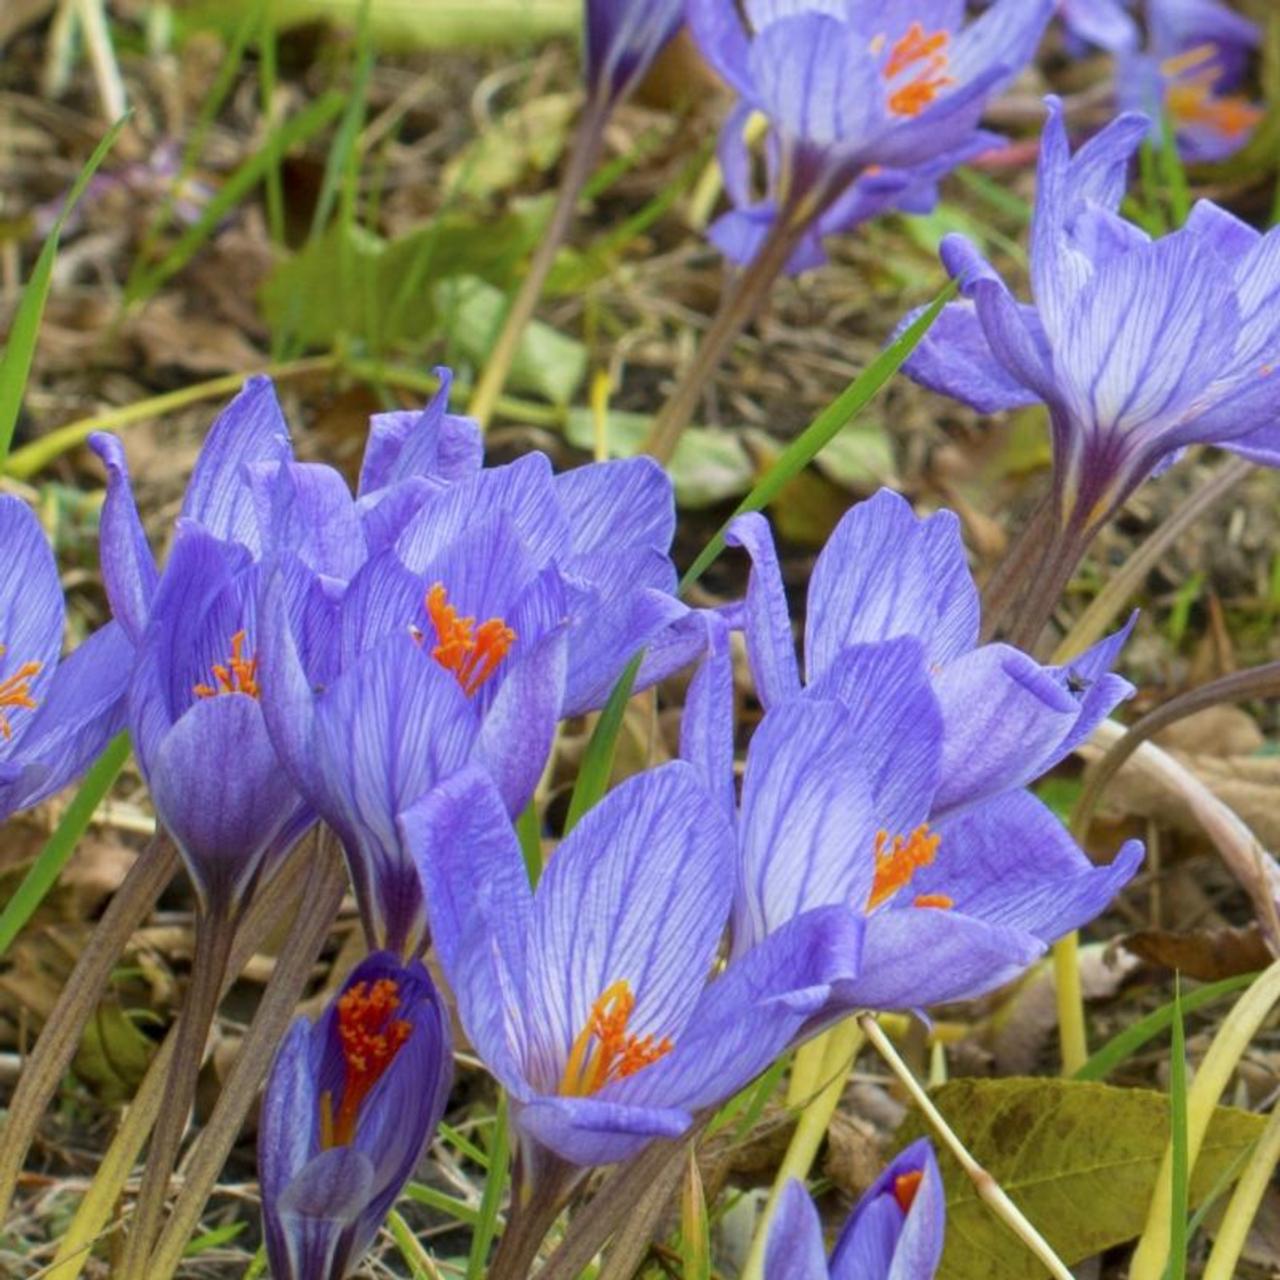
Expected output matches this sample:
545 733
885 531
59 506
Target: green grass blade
1179 1141
298 129
529 830
450 1206
20 350
491 1200
342 152
825 427
1122 1047
46 868
1174 173
597 761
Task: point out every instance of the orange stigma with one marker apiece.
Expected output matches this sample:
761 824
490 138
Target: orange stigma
238 675
603 1051
15 691
472 653
905 1186
370 1038
899 861
926 55
1190 97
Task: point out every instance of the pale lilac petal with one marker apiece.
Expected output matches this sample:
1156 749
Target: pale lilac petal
770 645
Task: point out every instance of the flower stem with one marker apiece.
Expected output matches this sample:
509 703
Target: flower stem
737 309
317 909
1073 1039
989 1190
837 1050
45 1068
1245 1201
536 1201
582 159
214 936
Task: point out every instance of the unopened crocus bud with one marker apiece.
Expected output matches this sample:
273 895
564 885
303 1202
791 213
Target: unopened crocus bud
894 1233
351 1105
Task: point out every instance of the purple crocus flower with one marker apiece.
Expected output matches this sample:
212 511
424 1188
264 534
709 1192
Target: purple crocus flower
55 717
1182 26
868 104
194 700
1000 719
1104 23
349 1110
416 692
894 1233
623 39
1138 347
589 998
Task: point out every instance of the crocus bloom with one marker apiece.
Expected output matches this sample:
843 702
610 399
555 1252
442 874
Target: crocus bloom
623 39
1181 26
349 1110
1138 347
55 717
1001 718
894 1233
417 691
1105 23
589 998
879 97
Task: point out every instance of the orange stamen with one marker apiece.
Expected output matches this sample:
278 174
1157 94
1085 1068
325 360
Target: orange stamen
370 1040
603 1051
938 901
1190 98
927 55
905 1186
238 675
472 653
896 864
15 691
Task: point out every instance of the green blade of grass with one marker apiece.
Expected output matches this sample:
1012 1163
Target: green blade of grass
52 858
298 129
597 760
825 427
450 1206
415 1256
1174 173
1122 1047
19 351
1177 1269
491 1200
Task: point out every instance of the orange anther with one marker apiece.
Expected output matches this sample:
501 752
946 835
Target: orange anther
925 54
603 1051
472 653
1191 100
938 901
898 860
238 675
905 1186
370 1040
15 691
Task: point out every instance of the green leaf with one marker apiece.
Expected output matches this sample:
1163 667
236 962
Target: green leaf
52 858
1177 1269
113 1055
491 1198
710 464
826 426
1131 1039
395 301
546 361
597 760
20 349
397 25
307 122
1079 1159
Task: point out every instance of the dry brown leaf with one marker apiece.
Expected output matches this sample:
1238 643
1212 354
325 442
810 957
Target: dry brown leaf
1208 955
1215 731
1027 1023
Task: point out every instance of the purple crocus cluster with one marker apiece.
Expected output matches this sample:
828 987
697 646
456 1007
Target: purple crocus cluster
394 663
